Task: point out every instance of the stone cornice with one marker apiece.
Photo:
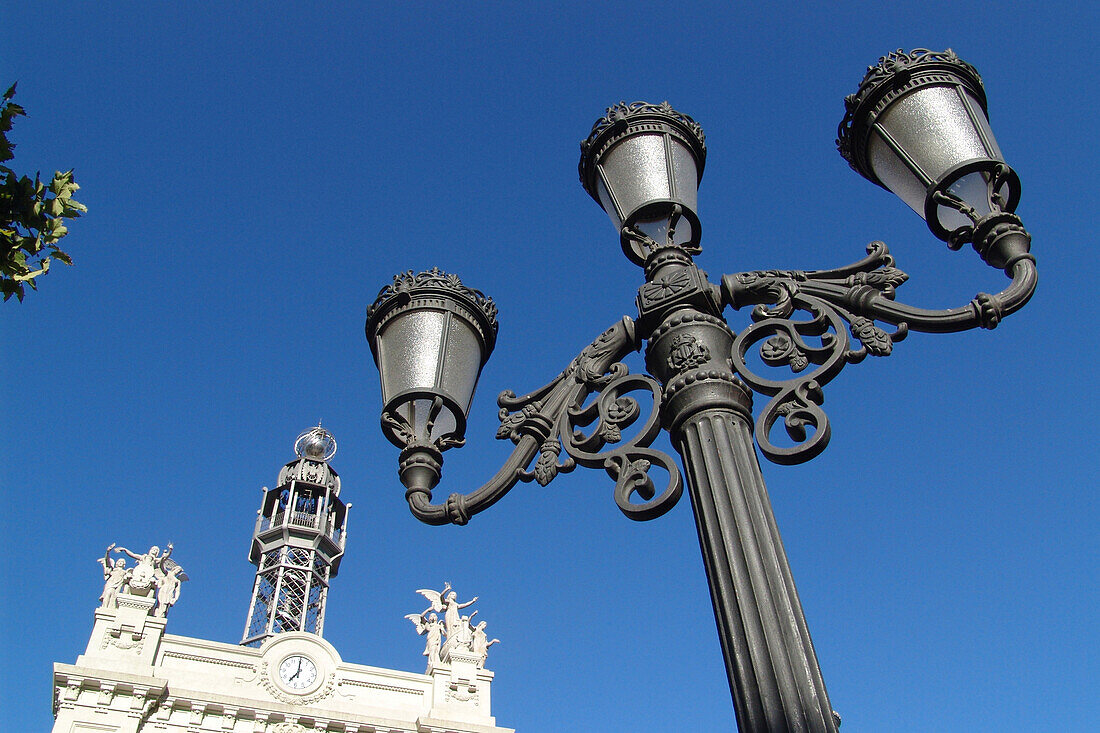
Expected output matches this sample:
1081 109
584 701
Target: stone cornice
209 660
378 686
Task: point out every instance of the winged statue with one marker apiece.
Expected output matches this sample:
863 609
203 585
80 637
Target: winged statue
428 624
459 630
435 598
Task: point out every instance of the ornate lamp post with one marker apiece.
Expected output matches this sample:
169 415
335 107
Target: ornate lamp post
917 126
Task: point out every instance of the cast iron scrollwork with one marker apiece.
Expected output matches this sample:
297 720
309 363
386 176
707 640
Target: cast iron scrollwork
817 346
610 414
543 422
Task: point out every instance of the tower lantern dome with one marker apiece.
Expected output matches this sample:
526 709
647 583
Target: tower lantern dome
316 443
314 448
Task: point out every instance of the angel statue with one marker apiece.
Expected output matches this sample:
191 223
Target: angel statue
447 602
169 579
481 644
143 576
432 627
115 576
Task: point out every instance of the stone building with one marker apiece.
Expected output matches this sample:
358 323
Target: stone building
283 677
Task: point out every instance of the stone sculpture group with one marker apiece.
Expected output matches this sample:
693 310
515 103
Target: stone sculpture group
153 573
462 636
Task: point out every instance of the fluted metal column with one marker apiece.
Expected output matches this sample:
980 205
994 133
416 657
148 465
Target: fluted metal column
773 672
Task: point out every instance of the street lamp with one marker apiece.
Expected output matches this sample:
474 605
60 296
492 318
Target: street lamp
917 126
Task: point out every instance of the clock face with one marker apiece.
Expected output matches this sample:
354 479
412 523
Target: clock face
297 672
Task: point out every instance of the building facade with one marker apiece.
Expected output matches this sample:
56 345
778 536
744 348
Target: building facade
283 677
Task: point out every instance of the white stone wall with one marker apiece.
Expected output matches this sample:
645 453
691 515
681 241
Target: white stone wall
133 677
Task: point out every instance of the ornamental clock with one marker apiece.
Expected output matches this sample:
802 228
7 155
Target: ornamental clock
297 672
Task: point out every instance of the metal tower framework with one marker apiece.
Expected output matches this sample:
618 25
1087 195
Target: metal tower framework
297 544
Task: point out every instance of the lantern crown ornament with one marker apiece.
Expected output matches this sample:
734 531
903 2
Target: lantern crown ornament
918 126
642 163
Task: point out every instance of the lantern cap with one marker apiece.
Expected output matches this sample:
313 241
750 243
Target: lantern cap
621 119
896 74
409 284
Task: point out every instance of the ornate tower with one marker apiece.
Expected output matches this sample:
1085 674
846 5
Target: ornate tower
298 542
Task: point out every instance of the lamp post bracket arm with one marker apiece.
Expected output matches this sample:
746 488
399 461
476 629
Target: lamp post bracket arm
867 289
535 423
590 365
814 346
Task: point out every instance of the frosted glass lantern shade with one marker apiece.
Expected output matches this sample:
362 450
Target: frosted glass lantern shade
430 342
410 351
646 173
642 164
918 126
931 127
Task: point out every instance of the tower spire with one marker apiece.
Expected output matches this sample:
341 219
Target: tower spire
298 542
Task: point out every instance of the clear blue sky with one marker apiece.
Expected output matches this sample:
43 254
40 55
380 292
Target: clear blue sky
254 174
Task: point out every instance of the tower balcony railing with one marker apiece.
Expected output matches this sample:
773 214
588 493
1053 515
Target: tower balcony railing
309 520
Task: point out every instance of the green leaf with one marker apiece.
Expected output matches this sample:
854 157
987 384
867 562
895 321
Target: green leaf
32 214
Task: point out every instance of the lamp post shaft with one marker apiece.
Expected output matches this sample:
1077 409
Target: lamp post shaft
773 672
